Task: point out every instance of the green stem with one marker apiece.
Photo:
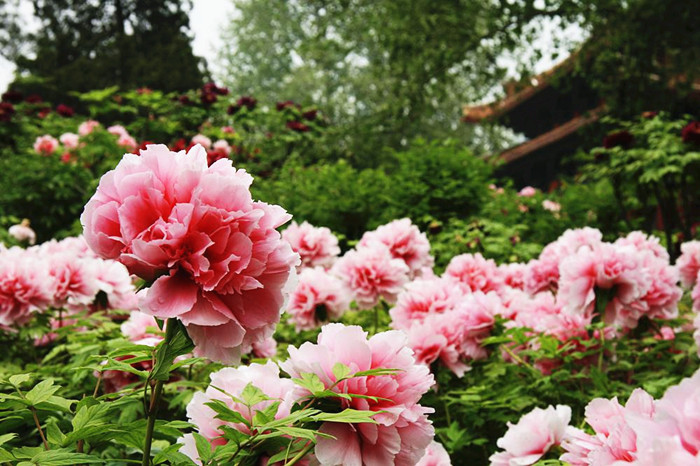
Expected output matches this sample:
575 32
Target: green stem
170 330
301 454
376 319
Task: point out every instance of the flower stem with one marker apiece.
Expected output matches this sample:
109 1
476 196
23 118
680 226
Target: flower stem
301 454
170 330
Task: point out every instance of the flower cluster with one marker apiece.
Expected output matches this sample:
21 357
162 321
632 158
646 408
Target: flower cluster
59 275
213 255
401 432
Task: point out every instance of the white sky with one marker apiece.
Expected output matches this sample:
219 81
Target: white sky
208 17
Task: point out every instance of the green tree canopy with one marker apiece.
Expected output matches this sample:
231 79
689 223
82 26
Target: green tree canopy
83 45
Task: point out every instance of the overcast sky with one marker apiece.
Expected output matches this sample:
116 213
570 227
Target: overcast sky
209 16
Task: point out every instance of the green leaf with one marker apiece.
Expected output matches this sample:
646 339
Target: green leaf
63 457
19 379
6 438
311 382
41 392
340 371
176 343
350 416
204 449
252 395
225 413
172 455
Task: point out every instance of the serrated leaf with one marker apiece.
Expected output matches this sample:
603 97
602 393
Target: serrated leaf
41 392
340 371
177 344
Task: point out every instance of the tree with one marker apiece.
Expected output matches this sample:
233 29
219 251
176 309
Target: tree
385 71
83 45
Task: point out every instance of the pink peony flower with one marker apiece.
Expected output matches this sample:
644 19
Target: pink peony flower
118 130
227 129
45 145
642 242
317 246
404 241
22 232
233 381
202 140
127 142
139 326
87 127
527 191
535 433
266 348
215 257
688 263
318 298
513 275
69 140
605 267
25 286
551 206
222 146
403 431
423 297
370 274
435 455
475 272
454 337
615 438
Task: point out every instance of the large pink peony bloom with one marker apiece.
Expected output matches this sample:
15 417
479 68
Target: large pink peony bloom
435 455
215 257
404 241
477 273
689 263
372 273
318 298
233 381
535 433
317 246
45 145
402 432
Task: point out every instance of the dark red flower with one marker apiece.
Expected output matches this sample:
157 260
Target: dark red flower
33 99
297 126
12 96
212 88
233 109
286 104
179 145
208 98
65 110
6 111
310 115
214 155
43 112
691 132
144 144
185 100
247 101
622 139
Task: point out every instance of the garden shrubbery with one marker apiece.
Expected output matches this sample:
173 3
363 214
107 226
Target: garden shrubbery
413 310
